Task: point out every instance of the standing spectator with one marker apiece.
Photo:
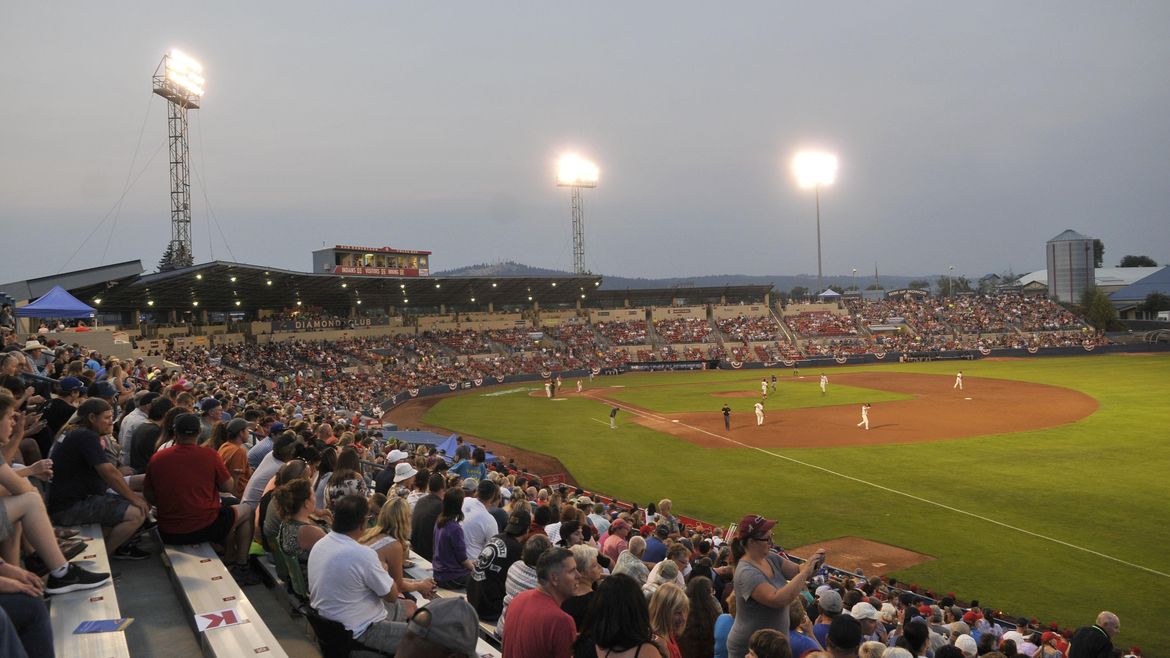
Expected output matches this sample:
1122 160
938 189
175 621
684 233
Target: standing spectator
184 483
486 589
348 585
698 640
765 583
537 627
475 468
1095 641
425 515
450 563
668 616
81 474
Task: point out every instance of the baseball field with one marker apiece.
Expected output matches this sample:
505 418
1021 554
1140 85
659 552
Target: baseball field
1042 488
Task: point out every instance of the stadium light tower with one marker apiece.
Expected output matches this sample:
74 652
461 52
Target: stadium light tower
575 173
814 169
179 79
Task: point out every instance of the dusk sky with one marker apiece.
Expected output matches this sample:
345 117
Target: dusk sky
968 133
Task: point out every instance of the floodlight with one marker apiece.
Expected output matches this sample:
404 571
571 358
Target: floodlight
184 72
574 171
814 168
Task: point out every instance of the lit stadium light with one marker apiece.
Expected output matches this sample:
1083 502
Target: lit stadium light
269 282
359 302
184 72
150 302
199 276
237 302
575 171
298 302
97 300
233 279
343 285
814 168
195 303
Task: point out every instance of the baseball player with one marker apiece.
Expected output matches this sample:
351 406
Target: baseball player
759 413
824 382
548 389
958 381
578 385
764 388
726 416
864 416
773 382
613 418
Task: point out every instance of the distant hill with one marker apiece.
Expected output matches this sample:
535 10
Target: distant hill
778 281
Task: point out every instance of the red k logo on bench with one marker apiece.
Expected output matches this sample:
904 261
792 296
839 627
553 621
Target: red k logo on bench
218 619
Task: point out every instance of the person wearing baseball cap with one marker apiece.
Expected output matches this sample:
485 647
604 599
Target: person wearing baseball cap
765 583
184 483
58 411
616 540
867 616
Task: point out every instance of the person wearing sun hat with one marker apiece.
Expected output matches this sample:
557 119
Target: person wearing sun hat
765 583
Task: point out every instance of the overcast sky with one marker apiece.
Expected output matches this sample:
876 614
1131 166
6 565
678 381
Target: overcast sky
969 133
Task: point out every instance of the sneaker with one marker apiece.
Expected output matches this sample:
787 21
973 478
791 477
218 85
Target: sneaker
130 552
74 579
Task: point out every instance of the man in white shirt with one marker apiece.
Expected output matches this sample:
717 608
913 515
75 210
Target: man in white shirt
478 524
349 585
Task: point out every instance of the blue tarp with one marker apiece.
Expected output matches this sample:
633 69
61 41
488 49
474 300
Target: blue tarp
416 437
57 303
448 449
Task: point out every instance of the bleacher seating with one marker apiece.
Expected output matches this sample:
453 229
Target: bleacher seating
67 611
206 587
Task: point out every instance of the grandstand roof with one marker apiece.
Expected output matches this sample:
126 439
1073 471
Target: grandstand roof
1156 281
218 285
91 277
752 294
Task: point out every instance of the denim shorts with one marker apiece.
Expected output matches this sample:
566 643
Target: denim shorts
106 509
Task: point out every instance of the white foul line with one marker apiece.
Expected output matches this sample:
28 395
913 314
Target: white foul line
895 491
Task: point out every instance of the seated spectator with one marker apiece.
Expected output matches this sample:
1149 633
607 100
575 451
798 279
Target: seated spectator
615 541
283 449
269 514
425 516
450 564
229 438
388 537
478 524
23 508
487 586
190 510
522 574
348 585
698 639
630 562
844 637
589 573
83 472
146 435
767 643
668 615
537 626
617 623
347 478
300 527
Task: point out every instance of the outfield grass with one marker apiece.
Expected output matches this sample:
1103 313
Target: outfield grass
1099 484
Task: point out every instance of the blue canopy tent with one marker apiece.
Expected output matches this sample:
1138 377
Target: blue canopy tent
57 303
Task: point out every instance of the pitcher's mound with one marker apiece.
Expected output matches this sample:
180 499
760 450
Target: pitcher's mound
873 558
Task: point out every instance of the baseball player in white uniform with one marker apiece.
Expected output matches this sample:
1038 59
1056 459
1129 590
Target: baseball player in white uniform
824 382
958 381
764 388
759 413
578 385
864 416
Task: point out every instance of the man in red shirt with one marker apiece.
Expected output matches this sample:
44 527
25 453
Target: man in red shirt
537 627
184 483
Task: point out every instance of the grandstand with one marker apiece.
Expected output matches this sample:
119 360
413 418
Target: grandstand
354 348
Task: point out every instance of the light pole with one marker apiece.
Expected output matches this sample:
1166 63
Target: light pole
950 280
179 79
814 169
855 280
575 173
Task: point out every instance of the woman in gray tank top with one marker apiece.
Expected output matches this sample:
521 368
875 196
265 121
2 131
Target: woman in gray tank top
765 584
